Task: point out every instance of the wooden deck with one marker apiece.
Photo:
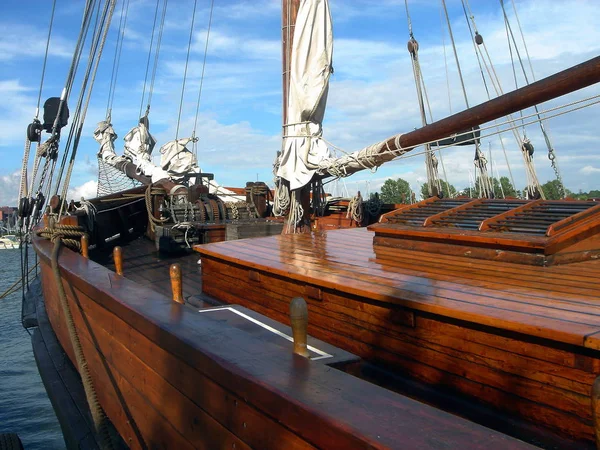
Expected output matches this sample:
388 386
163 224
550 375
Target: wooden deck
523 339
144 265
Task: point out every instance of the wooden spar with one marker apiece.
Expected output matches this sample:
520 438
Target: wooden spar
289 14
565 82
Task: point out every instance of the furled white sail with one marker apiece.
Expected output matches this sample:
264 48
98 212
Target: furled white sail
177 159
105 135
303 149
139 144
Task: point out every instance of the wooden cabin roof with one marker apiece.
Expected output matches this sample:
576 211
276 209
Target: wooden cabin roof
559 303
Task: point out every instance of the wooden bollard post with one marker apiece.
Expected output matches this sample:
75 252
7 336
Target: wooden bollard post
118 257
176 283
85 246
299 320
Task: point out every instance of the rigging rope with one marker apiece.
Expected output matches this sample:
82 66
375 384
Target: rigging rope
212 4
433 179
75 119
37 109
156 54
187 59
50 148
478 41
155 66
96 50
446 62
479 160
551 152
117 58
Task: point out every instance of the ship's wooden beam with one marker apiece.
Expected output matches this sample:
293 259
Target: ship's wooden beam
565 82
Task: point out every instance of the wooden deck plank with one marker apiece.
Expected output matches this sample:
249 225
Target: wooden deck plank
350 256
472 277
569 319
313 270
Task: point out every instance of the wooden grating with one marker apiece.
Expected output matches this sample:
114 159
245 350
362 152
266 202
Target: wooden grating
541 232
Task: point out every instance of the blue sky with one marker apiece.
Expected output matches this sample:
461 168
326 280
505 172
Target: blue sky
372 94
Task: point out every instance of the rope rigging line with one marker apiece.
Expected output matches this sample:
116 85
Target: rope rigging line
479 160
187 60
523 40
433 180
99 38
27 149
49 148
97 55
37 109
117 58
212 4
69 83
445 61
156 54
155 65
477 41
551 152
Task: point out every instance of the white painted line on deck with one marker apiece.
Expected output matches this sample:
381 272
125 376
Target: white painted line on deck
322 354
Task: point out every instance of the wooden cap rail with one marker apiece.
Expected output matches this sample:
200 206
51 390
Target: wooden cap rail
299 322
118 257
176 283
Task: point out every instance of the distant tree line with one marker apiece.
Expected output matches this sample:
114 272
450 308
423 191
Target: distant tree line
399 191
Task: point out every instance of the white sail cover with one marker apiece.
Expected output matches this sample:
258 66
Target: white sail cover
139 144
105 135
303 149
177 159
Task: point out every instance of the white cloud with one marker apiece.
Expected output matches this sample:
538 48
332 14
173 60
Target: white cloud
589 170
9 189
23 40
86 190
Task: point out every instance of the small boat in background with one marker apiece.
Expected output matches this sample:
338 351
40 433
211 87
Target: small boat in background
8 241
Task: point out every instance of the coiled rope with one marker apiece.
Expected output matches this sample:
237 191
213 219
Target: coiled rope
355 209
153 220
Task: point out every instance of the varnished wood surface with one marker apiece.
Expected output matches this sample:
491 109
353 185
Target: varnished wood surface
149 354
559 303
143 264
519 338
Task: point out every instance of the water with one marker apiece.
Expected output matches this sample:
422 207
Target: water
24 406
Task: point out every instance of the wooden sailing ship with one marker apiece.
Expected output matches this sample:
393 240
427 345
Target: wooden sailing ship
452 323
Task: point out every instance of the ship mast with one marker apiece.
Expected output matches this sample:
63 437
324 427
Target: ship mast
289 14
